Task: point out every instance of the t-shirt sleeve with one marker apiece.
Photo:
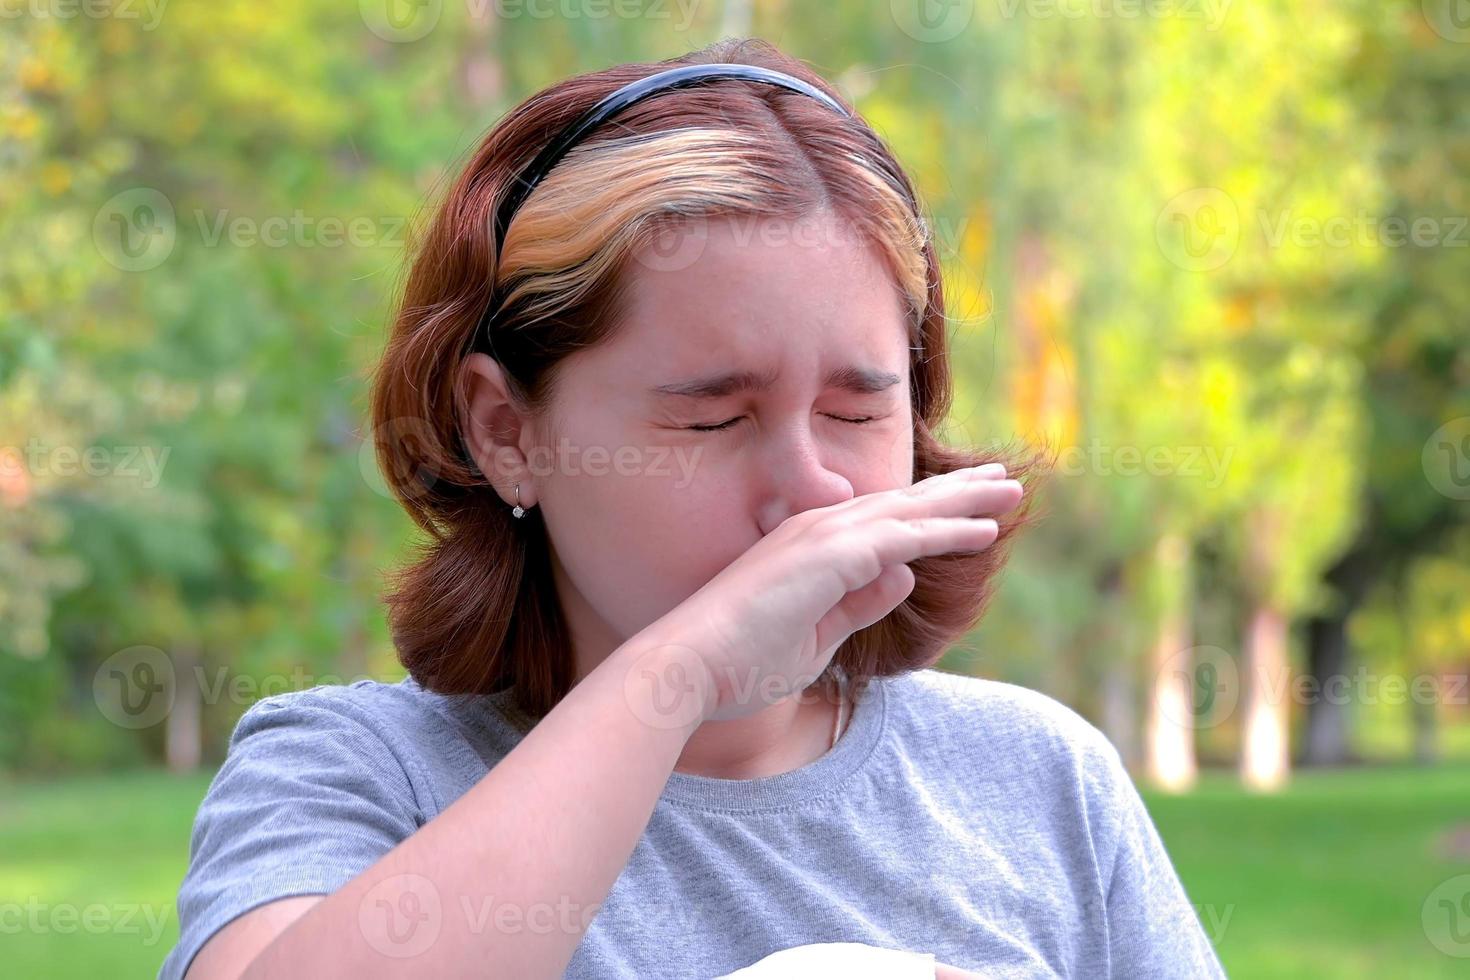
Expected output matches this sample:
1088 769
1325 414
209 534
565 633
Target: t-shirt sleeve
1153 931
307 798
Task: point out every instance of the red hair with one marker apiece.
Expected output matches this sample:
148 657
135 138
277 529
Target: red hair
476 610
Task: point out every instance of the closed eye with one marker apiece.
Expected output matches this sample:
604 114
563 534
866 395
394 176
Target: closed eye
730 422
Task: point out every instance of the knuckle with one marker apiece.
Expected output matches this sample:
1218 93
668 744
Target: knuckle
834 524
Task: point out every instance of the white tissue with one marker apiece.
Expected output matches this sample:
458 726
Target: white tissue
852 961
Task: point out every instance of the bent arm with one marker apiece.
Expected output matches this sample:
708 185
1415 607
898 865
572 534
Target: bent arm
551 826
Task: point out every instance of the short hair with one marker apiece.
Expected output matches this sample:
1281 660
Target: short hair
475 611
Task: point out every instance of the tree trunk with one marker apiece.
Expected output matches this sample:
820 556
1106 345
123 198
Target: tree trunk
736 19
183 731
481 72
1328 652
1422 717
1426 731
1264 749
1119 712
1380 553
1105 659
1326 739
1170 737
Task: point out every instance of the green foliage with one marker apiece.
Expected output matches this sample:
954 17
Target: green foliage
1266 400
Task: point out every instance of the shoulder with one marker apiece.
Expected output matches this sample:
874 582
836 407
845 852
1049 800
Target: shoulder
1034 764
314 788
351 735
1001 708
1011 728
362 711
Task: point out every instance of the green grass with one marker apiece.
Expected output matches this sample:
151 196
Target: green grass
117 843
1328 879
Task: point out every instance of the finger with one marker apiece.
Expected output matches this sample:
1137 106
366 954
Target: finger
962 496
863 607
903 541
933 488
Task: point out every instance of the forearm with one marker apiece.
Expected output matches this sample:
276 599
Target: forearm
518 864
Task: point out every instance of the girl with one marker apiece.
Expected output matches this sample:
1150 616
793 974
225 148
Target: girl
663 391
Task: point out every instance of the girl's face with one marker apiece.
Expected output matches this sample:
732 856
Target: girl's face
779 332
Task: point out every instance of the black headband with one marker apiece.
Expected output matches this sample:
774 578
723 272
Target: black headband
610 105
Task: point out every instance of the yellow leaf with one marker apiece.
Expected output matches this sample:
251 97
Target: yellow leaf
55 178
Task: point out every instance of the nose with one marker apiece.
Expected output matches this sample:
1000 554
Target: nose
794 477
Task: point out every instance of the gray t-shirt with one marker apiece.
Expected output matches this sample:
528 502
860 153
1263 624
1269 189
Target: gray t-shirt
979 821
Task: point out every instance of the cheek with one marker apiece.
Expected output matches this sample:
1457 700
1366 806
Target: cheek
664 518
627 555
901 457
663 530
888 462
681 531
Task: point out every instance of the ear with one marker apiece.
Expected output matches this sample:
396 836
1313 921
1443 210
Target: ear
496 429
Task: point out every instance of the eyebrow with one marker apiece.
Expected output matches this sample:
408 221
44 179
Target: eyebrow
859 380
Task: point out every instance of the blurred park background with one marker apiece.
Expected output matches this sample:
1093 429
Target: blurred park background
1214 253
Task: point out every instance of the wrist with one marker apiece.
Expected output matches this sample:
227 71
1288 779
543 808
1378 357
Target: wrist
666 684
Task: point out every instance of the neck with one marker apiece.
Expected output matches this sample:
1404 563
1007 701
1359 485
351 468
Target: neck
783 736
